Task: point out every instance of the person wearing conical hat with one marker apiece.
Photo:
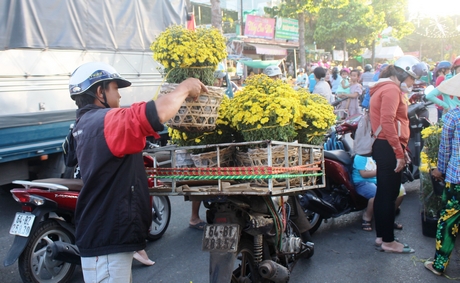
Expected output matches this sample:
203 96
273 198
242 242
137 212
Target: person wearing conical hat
450 92
448 170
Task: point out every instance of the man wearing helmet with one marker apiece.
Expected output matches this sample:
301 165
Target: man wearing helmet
442 70
273 72
113 214
455 66
388 110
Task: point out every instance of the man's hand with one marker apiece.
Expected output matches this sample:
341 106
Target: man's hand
194 87
168 105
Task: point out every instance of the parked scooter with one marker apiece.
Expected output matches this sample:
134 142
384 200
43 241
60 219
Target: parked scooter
339 196
418 120
418 92
44 230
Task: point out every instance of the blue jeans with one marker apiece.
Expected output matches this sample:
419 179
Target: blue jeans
366 189
111 268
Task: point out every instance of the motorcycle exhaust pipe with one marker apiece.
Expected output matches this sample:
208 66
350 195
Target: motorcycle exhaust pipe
65 252
273 271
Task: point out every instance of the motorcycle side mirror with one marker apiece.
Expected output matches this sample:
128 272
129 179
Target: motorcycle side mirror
428 89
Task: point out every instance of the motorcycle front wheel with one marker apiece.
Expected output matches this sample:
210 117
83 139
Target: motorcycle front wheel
247 270
161 215
33 264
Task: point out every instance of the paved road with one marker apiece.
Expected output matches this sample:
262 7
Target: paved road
343 253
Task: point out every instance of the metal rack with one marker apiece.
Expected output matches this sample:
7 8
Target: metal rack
166 157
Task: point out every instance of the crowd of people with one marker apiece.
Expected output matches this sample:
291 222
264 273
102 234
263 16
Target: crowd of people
378 177
116 173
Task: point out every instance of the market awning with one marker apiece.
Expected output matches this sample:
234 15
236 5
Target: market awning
259 64
269 49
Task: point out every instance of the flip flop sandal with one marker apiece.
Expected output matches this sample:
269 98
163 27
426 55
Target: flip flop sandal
198 226
397 226
405 250
429 265
366 225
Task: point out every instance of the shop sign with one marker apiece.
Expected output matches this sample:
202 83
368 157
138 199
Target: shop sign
259 27
339 55
287 29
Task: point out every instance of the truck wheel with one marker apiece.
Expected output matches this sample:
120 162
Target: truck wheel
161 215
33 264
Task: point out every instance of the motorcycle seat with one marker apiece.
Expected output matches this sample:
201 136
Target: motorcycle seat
339 155
72 184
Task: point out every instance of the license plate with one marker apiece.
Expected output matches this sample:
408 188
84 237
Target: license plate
22 224
221 238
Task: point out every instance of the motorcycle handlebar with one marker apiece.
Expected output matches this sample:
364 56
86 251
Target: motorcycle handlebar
338 101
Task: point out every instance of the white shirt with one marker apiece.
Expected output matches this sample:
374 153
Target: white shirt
324 89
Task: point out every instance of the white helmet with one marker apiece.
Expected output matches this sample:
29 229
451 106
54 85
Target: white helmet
272 71
412 66
219 74
91 73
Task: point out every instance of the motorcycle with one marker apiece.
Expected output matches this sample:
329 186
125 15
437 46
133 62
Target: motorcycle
45 229
418 92
260 231
339 196
418 120
251 235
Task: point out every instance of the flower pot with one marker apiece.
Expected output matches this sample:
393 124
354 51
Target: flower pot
429 225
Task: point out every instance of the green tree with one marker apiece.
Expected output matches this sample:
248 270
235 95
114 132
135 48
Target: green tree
395 12
349 22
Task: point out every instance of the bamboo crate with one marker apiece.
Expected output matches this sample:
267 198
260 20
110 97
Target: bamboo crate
299 163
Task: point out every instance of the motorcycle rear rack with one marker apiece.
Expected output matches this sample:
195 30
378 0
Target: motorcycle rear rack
216 181
28 185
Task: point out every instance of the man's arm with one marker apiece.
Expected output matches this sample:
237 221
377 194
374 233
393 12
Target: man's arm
168 105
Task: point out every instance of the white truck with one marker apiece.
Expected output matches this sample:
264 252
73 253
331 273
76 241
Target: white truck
41 43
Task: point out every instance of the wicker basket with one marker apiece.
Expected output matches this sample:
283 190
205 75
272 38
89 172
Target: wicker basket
209 159
259 157
199 115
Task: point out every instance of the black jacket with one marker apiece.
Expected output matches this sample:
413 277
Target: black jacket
113 212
